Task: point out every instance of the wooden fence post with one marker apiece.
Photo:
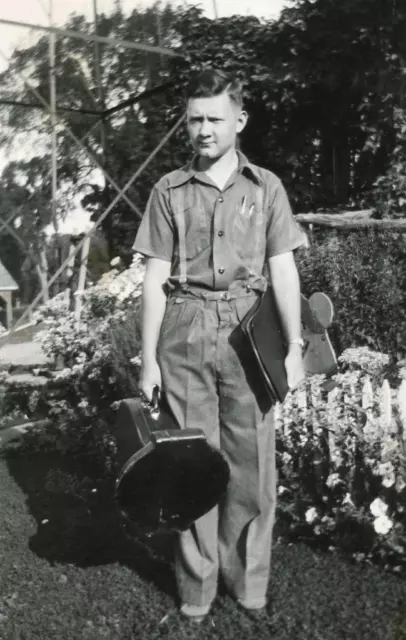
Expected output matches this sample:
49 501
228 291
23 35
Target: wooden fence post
402 407
331 416
386 406
367 394
82 280
69 275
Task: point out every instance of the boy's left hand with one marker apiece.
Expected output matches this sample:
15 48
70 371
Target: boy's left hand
294 366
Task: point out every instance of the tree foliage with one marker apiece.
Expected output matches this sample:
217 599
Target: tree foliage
323 86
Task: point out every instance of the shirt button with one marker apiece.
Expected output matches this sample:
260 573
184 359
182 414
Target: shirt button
221 270
221 199
220 233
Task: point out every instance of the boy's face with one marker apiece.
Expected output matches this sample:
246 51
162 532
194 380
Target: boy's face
213 124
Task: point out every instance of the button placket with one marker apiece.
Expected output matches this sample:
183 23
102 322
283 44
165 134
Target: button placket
220 233
218 246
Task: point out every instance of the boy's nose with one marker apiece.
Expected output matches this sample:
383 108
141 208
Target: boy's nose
205 129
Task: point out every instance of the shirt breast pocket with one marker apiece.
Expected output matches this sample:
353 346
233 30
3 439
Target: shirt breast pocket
249 234
197 230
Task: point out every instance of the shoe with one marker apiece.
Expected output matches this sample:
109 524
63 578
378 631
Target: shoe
254 605
194 612
255 610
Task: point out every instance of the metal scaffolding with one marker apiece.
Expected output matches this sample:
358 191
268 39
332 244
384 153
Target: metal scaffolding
100 114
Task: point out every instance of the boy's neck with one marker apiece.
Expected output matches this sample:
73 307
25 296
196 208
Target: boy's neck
220 169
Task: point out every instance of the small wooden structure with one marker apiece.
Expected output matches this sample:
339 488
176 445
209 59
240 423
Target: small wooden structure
350 221
7 286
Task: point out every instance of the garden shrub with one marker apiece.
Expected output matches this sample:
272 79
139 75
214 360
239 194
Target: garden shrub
125 341
364 273
342 472
351 494
388 193
98 359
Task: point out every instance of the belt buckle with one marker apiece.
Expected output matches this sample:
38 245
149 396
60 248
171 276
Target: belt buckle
225 295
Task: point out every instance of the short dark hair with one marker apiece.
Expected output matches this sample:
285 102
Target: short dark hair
213 82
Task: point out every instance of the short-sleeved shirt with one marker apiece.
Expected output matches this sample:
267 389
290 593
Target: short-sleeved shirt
221 226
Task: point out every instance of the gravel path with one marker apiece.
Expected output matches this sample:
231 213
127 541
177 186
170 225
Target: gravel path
22 354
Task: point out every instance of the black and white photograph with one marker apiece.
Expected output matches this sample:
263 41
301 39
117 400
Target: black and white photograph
203 320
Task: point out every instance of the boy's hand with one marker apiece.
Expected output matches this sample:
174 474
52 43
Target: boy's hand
150 378
294 366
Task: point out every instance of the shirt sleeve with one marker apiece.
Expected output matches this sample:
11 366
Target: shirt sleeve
155 236
283 233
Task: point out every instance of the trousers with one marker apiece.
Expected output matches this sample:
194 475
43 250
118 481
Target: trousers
210 382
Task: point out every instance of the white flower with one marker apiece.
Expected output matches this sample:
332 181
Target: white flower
385 468
382 525
400 484
336 457
348 500
389 480
281 490
333 480
378 508
311 515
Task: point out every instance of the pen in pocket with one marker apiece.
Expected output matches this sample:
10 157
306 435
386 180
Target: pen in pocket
243 205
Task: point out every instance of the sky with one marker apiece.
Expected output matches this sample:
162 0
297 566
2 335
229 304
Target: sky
37 12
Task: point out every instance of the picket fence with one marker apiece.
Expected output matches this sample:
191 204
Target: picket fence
381 402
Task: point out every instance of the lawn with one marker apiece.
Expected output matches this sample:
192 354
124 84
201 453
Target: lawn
68 572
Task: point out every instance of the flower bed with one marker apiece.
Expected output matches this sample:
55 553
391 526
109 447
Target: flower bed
342 461
341 457
96 357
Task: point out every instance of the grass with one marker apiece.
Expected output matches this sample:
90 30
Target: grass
68 572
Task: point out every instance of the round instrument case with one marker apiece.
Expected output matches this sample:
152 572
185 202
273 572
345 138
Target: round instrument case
169 477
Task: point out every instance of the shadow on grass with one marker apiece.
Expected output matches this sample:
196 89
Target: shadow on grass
78 523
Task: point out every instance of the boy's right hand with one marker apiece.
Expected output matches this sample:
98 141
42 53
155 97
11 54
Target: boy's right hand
150 378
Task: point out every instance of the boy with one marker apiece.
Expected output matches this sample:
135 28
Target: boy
210 232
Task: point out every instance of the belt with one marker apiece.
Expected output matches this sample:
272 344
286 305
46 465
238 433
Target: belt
187 292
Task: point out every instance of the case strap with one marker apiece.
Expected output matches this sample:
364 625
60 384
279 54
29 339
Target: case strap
258 229
178 208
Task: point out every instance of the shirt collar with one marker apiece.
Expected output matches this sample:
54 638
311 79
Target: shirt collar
188 172
244 166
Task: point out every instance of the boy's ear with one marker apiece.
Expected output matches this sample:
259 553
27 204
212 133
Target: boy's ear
242 120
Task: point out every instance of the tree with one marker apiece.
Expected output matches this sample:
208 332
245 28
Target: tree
322 86
129 135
